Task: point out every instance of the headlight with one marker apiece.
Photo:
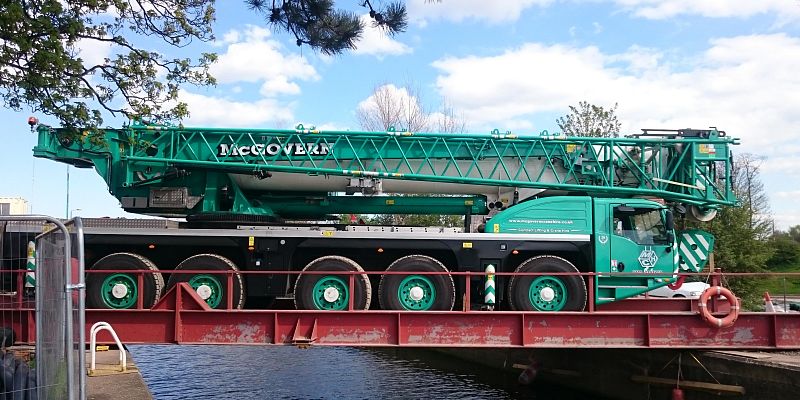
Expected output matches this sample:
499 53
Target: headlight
694 294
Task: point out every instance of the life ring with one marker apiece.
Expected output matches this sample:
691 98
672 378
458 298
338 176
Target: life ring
716 322
677 284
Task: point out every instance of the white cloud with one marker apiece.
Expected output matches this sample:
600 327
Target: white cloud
421 11
786 162
376 42
93 52
747 85
662 9
792 194
251 56
785 220
279 85
213 111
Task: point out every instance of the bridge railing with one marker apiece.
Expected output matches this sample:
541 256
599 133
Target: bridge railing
467 281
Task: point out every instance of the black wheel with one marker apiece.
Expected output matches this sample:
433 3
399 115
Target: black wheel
120 290
547 292
211 287
331 292
678 296
417 292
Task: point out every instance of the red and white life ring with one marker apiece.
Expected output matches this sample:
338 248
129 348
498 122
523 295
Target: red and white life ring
716 322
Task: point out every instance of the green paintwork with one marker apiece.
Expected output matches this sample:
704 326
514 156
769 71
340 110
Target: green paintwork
108 286
428 293
213 283
647 265
137 159
328 281
559 293
548 215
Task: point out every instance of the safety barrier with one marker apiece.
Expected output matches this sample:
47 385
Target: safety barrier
44 282
105 326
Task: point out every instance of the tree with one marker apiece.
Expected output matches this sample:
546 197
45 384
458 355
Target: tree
590 120
741 232
41 66
751 193
794 233
318 24
447 121
40 63
390 106
786 251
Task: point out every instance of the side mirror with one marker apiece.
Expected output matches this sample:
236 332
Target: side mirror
670 221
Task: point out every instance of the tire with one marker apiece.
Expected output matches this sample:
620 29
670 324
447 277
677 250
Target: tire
211 287
394 290
101 289
569 292
311 291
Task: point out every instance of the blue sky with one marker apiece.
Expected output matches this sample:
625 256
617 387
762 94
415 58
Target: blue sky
512 65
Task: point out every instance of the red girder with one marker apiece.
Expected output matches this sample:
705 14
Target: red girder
181 317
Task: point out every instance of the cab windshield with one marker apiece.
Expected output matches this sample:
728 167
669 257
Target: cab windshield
641 225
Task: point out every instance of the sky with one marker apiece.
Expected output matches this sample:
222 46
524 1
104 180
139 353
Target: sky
506 64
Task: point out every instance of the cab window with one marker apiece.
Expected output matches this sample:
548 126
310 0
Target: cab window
641 225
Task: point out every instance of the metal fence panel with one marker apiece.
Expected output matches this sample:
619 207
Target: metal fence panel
59 318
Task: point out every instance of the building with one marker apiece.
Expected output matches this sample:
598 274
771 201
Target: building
14 206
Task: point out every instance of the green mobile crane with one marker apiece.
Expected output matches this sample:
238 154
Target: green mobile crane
541 203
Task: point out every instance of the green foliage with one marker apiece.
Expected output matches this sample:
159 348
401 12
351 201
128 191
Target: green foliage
403 219
318 24
417 220
779 285
741 232
40 65
590 120
786 251
738 249
794 233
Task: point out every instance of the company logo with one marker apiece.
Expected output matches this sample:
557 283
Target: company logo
273 149
648 259
603 239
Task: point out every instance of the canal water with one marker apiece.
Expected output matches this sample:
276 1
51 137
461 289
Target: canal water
260 372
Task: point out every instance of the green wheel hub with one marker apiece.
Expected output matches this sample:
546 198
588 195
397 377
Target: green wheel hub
548 293
119 291
331 294
416 293
208 287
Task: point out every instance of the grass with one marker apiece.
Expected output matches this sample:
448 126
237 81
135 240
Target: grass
776 285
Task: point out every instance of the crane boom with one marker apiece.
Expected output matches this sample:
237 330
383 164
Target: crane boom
182 171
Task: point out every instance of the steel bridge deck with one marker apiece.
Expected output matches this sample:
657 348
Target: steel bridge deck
181 317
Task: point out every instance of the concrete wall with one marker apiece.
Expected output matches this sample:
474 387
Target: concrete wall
608 372
14 206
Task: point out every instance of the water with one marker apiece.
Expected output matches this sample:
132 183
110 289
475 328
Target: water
258 372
